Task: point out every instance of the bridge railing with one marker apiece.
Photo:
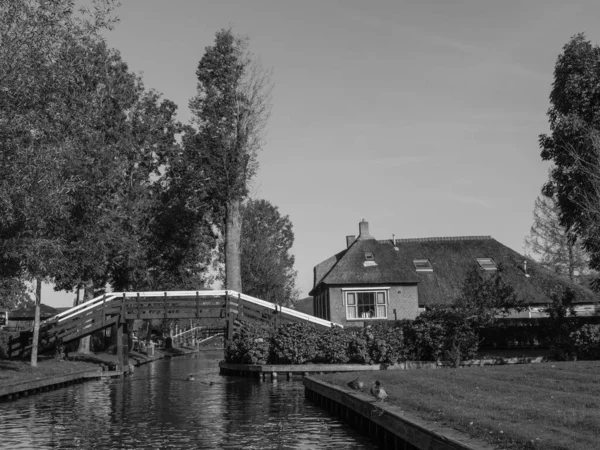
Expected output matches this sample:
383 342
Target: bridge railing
283 309
233 295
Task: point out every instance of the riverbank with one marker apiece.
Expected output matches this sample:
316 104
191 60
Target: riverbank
550 406
18 377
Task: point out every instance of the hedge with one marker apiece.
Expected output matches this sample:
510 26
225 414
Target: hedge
392 342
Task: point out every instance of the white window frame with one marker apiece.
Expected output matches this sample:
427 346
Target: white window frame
487 264
351 301
429 267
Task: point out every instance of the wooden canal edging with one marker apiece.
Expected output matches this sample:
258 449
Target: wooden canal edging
387 425
290 370
15 390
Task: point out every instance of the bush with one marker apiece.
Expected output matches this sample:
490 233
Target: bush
586 341
333 345
424 340
384 345
294 343
249 345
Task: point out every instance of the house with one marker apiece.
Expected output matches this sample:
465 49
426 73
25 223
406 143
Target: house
396 279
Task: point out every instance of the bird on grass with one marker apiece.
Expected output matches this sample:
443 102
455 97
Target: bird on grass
356 384
190 378
378 391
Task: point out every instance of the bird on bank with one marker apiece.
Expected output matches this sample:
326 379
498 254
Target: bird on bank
356 384
378 391
190 378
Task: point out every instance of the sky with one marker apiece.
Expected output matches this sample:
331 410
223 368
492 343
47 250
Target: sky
421 117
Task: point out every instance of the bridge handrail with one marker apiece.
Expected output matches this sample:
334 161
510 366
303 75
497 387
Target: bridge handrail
291 312
187 331
109 297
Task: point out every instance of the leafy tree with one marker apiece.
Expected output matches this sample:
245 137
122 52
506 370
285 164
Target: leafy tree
559 325
181 232
231 110
555 247
572 145
42 75
14 294
452 331
267 265
47 55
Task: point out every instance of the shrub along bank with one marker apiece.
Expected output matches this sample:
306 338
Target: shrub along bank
427 338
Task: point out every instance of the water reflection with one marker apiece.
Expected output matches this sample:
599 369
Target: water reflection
157 408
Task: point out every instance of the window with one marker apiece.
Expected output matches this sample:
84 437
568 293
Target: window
361 305
369 256
321 305
422 265
487 264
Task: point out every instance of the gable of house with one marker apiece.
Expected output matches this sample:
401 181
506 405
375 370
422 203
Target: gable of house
365 262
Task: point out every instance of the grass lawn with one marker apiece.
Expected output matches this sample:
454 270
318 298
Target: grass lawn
15 371
547 406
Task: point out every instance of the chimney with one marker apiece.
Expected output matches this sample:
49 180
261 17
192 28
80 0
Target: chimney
363 228
350 240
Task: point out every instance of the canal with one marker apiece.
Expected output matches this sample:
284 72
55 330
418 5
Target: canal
157 408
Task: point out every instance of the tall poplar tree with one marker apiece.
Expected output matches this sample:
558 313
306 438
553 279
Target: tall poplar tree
572 144
231 109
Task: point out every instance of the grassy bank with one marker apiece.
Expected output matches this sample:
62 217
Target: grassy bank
551 406
14 371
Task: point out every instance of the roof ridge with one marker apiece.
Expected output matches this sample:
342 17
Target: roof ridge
441 238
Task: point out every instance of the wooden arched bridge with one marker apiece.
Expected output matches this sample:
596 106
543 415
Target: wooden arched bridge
116 308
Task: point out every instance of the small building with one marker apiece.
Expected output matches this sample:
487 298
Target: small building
373 280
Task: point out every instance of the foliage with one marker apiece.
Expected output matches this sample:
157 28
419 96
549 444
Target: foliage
573 143
266 263
451 331
553 245
586 341
231 109
294 343
387 345
425 339
299 343
332 346
250 345
14 294
89 162
46 103
559 325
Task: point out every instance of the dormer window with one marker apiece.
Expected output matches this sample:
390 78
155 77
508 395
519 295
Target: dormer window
369 260
422 265
487 264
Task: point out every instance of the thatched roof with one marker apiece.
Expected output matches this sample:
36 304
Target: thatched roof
453 257
387 266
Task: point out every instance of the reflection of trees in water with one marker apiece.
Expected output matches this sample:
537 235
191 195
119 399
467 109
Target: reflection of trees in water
157 408
268 406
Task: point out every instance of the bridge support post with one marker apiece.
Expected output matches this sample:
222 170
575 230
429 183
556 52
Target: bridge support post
122 346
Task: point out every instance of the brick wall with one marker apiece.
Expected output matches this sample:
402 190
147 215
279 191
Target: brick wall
404 299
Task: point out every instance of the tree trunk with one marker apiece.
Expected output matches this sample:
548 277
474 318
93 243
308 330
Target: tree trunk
233 235
88 294
36 323
571 262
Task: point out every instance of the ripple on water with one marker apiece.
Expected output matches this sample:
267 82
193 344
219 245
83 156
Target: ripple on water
157 408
